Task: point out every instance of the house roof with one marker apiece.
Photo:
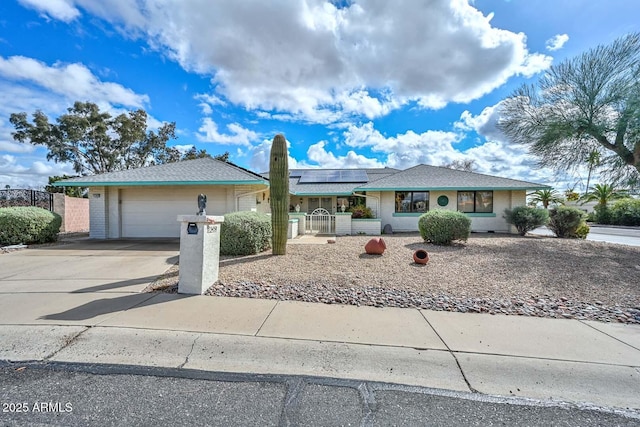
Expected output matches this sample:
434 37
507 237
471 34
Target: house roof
440 178
187 172
208 171
333 188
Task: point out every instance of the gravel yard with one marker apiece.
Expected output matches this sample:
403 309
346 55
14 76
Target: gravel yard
533 276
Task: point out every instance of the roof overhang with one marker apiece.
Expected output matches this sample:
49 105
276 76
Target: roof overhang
454 188
154 183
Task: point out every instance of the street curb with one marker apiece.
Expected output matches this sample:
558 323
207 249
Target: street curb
293 381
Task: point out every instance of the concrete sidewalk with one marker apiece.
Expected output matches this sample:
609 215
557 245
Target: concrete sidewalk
562 360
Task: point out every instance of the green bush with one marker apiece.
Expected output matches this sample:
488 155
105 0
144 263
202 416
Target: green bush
245 233
564 221
360 211
442 227
582 230
626 212
28 225
525 218
602 214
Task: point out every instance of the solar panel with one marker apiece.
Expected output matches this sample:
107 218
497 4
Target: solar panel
333 176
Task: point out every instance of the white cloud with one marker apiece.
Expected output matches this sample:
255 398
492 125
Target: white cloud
322 63
73 81
557 42
407 149
207 101
237 135
29 173
327 159
484 124
259 157
57 9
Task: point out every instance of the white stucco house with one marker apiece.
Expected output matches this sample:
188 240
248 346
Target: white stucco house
145 202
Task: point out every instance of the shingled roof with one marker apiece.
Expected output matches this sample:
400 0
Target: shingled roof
187 172
422 177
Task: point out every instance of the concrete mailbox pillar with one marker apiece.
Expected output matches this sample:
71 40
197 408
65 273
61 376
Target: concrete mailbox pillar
199 252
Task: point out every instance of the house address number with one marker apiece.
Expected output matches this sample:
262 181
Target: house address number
211 228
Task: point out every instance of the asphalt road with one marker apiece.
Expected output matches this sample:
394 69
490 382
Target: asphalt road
619 235
110 395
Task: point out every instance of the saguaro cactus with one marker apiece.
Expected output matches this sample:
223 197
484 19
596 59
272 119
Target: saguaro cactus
279 187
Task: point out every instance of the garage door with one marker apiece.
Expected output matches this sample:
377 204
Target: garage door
153 212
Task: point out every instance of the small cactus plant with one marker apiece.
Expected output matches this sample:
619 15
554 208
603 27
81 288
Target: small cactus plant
279 202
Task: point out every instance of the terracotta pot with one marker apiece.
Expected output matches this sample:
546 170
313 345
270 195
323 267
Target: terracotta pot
375 246
420 256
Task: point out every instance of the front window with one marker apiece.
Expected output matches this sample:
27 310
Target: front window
412 201
475 201
349 202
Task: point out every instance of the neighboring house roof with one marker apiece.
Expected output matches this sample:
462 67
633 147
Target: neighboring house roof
440 178
187 172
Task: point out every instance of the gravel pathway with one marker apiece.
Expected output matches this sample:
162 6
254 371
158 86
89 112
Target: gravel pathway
491 273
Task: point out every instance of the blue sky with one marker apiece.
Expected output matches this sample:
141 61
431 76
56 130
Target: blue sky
350 83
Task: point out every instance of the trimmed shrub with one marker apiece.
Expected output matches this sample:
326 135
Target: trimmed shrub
564 221
360 211
28 224
582 230
442 227
626 212
245 233
525 218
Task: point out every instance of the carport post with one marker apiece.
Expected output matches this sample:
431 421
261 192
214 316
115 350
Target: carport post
199 252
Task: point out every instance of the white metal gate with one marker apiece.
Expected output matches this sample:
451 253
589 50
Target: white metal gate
320 221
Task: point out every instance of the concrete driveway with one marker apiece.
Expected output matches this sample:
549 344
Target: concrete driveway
87 266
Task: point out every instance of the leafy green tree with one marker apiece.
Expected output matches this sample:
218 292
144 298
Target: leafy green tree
545 197
224 157
93 141
593 160
69 191
584 104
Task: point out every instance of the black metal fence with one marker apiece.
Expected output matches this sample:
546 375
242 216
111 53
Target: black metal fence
23 197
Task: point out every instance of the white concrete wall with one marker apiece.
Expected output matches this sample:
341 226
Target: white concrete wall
373 202
292 230
343 224
98 213
113 203
301 217
368 226
251 197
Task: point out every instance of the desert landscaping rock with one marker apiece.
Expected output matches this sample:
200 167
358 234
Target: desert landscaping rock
496 274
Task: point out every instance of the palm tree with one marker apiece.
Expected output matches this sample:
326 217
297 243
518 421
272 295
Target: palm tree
593 160
545 197
603 193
